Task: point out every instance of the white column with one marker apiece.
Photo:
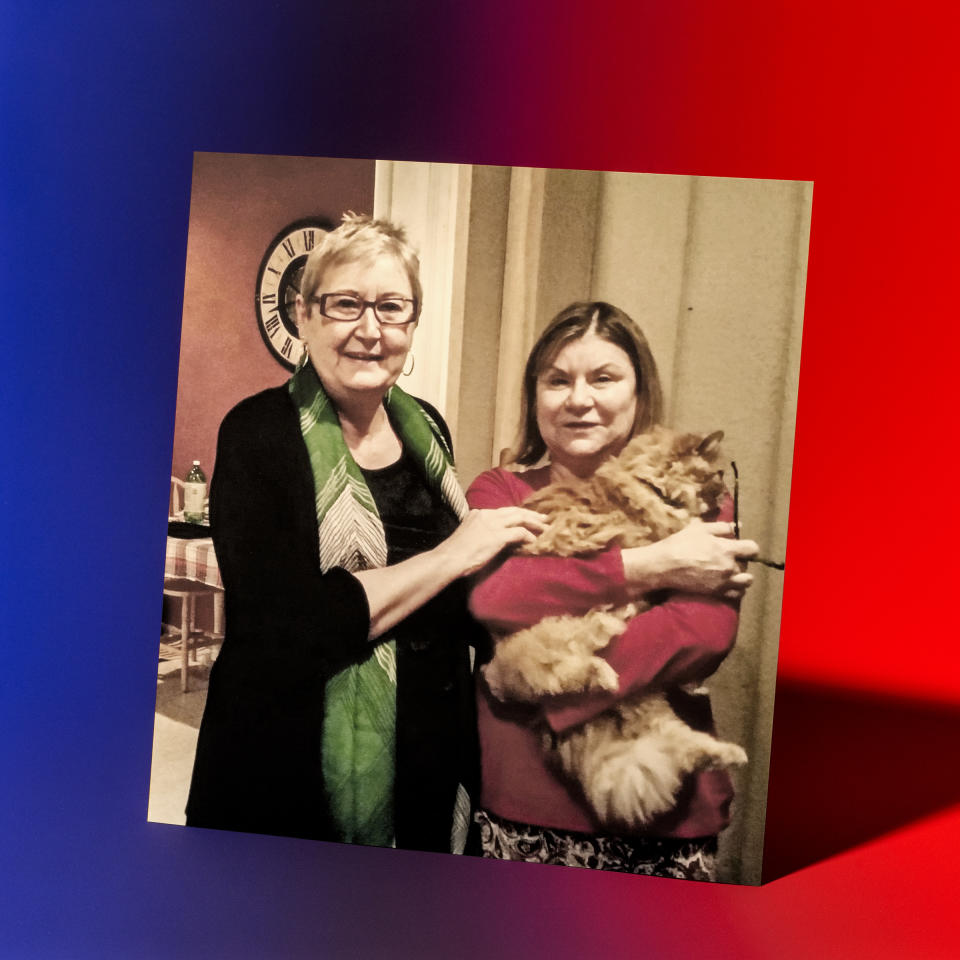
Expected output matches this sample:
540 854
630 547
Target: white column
432 202
519 308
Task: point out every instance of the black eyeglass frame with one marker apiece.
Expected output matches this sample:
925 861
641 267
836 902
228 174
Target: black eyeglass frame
321 301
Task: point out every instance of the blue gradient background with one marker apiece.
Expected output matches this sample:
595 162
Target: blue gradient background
102 107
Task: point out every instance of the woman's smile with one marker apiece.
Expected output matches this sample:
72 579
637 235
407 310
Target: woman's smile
363 357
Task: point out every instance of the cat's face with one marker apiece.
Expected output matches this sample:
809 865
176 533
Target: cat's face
682 471
694 472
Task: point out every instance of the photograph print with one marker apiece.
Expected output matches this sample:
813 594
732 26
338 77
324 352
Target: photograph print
478 510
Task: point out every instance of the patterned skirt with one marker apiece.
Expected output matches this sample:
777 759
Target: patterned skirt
683 859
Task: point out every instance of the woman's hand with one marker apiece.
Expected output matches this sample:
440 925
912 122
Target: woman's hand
395 592
484 533
700 558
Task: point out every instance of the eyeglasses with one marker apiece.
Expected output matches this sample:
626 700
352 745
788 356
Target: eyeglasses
350 307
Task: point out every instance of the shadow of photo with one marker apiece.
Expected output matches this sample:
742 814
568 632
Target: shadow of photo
848 767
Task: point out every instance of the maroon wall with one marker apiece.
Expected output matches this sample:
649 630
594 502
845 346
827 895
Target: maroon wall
238 205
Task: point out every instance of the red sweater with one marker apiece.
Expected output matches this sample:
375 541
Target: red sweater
681 640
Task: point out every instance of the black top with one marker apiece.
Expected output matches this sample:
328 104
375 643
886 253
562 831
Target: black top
289 628
414 518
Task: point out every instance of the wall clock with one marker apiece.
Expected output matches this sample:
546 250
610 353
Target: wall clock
278 283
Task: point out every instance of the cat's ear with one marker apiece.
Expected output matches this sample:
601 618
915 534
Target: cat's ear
710 444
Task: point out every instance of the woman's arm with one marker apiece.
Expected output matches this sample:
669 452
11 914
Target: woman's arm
518 590
681 640
700 558
264 531
521 590
393 593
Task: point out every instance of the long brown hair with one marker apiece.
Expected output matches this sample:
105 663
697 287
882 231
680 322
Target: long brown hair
611 324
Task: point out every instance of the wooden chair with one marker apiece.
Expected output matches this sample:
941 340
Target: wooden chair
176 499
187 593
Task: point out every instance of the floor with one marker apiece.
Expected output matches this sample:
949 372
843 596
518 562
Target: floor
175 729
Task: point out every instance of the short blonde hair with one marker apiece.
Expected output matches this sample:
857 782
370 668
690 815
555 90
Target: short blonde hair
358 237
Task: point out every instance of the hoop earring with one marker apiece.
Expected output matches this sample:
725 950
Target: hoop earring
413 363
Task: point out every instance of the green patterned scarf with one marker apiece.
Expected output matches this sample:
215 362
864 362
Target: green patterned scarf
360 709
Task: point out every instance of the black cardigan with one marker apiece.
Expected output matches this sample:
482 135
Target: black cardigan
289 628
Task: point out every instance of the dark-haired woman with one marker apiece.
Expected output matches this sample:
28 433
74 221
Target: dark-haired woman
590 385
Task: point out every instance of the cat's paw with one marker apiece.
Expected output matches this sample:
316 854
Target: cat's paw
602 676
727 755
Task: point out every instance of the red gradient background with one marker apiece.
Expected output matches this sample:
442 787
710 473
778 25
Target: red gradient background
107 101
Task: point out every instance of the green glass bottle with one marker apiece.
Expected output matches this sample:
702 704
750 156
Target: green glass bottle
194 494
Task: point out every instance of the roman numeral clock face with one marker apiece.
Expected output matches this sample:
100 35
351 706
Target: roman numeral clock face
278 283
